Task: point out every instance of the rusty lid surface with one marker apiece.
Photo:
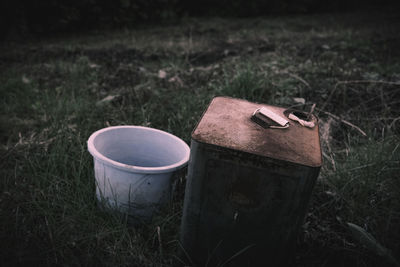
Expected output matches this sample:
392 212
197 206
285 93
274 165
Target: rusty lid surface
227 123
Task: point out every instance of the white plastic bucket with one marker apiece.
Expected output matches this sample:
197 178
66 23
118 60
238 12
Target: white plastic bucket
133 167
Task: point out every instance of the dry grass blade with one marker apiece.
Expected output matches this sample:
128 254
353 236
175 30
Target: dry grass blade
393 122
237 254
212 253
300 79
343 121
370 243
186 254
159 240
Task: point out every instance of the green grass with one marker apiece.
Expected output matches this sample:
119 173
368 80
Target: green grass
51 102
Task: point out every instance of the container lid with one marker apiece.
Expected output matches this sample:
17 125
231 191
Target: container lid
227 123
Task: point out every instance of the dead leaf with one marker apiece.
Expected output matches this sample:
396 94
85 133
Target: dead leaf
205 69
106 100
326 47
25 80
72 127
176 79
162 74
94 66
299 100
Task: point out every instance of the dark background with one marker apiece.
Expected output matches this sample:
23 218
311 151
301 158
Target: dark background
32 18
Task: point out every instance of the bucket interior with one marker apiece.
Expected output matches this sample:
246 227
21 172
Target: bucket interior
142 147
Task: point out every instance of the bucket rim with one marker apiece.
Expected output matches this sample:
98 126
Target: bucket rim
133 168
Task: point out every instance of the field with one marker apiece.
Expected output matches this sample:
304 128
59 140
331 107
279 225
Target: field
56 91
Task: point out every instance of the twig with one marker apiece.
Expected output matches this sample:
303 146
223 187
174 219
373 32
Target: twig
299 78
330 158
51 238
311 111
356 82
367 81
393 122
361 167
186 254
295 76
344 121
237 254
159 240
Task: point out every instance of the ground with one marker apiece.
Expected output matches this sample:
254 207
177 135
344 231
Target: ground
56 91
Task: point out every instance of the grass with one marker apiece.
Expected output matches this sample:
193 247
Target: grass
55 93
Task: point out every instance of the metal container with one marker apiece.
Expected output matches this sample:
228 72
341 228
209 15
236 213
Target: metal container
248 186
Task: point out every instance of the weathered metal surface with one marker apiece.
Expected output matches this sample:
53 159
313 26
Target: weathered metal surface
227 123
244 205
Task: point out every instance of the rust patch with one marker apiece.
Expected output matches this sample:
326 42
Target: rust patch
227 123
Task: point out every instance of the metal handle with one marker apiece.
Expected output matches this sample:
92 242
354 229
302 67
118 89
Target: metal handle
266 117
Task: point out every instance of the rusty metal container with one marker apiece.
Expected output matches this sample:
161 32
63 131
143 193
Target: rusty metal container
248 186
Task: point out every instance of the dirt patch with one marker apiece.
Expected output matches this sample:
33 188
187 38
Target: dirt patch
111 56
225 49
